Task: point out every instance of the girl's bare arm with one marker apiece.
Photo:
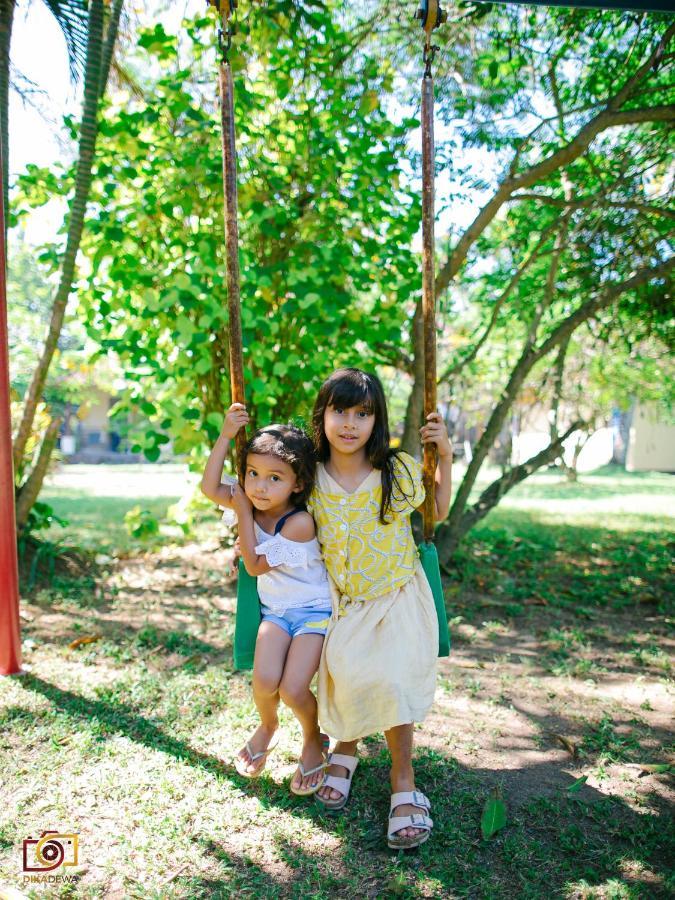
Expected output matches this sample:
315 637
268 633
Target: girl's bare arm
255 564
211 484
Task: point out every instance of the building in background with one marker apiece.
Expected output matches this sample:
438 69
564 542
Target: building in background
651 441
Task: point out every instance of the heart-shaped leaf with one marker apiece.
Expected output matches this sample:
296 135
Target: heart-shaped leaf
494 814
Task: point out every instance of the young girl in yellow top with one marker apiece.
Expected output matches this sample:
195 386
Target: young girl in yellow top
378 664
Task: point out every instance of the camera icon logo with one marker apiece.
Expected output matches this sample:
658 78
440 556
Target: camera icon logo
50 851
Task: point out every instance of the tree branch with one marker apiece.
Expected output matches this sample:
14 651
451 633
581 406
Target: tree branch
29 490
585 202
499 302
495 491
528 358
609 117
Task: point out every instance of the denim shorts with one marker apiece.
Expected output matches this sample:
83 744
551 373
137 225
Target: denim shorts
299 621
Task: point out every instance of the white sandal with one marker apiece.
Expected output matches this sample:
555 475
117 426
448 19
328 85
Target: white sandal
325 743
416 820
241 765
337 782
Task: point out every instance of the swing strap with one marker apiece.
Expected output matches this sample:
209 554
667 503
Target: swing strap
431 17
226 30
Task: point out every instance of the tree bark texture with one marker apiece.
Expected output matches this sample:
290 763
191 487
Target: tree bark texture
232 245
30 489
413 416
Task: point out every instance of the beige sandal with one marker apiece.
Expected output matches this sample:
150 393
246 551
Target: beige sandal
325 743
337 782
241 764
417 820
307 792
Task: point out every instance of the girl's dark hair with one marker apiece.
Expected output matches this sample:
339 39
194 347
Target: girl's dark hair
293 446
353 387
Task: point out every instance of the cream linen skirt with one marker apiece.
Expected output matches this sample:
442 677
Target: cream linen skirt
378 664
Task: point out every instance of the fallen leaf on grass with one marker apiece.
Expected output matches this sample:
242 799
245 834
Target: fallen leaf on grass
655 769
577 785
535 601
494 814
89 639
571 748
175 874
491 602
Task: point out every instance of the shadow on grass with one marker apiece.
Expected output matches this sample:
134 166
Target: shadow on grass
515 556
553 841
118 719
551 844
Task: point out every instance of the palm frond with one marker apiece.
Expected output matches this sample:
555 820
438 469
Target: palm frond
71 16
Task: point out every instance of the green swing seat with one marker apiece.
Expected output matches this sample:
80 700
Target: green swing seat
248 609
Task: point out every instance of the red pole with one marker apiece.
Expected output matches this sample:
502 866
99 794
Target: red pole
10 637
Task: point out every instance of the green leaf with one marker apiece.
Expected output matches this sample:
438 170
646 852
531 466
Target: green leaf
577 785
494 814
655 769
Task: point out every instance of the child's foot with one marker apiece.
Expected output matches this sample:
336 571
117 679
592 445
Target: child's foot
252 757
312 760
345 749
405 809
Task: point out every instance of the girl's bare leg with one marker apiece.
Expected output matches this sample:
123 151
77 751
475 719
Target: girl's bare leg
400 743
301 664
271 650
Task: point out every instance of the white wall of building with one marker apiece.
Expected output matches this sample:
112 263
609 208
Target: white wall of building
651 443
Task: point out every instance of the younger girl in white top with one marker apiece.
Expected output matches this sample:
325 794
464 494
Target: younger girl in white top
278 545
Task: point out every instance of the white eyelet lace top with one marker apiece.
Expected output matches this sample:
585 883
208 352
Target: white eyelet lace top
298 577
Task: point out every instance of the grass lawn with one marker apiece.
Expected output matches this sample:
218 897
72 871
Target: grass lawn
558 693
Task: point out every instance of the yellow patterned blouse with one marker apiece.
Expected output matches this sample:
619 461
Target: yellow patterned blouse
365 558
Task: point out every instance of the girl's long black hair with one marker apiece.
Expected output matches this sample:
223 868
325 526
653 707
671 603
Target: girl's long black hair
293 446
352 387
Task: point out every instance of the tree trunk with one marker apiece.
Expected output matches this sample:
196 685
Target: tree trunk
88 132
558 377
110 40
454 528
28 493
100 50
6 21
448 538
